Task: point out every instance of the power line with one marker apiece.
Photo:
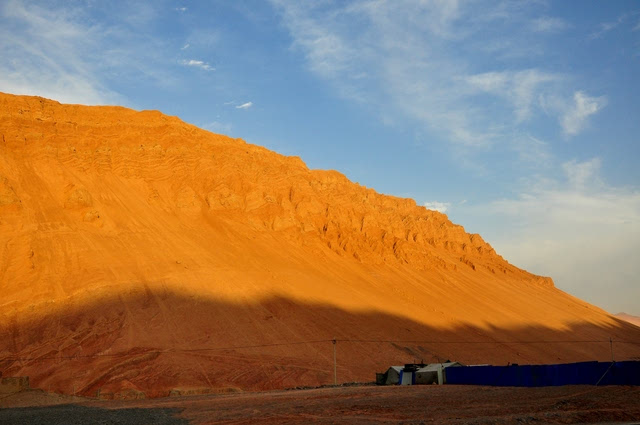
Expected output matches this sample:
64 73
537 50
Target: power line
165 351
283 344
485 342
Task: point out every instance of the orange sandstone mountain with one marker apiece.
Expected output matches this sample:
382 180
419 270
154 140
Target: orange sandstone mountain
140 254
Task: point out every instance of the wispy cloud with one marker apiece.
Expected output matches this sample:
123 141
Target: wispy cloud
580 175
548 24
181 9
218 127
578 230
396 57
238 105
437 206
605 27
64 54
372 53
532 152
246 105
201 38
575 117
45 56
185 47
521 88
198 64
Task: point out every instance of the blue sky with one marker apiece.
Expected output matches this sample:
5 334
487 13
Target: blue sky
520 120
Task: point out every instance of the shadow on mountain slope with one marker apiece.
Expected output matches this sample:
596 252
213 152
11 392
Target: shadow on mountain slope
153 343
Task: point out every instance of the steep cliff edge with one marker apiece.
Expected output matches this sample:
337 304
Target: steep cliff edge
130 239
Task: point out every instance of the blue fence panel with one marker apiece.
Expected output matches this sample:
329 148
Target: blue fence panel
622 373
585 373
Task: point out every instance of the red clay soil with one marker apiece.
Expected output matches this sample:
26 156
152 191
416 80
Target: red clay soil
448 404
406 405
141 255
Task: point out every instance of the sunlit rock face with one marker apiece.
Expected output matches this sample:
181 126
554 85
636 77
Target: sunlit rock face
140 255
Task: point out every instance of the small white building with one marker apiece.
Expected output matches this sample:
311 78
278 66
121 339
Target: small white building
391 376
416 374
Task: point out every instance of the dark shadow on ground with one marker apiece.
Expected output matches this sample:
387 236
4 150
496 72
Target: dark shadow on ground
70 414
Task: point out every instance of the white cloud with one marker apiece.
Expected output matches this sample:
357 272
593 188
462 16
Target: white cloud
245 105
185 47
437 206
381 45
575 116
520 88
415 60
582 174
578 230
44 56
198 64
548 25
64 54
490 81
181 9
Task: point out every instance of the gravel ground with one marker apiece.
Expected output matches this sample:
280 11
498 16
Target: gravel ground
449 404
71 414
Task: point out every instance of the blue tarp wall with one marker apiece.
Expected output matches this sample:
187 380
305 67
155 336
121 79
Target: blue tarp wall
586 373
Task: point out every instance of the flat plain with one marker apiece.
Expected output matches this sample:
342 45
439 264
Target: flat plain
353 404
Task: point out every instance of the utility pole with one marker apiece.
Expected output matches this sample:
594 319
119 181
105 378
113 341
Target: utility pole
611 346
335 368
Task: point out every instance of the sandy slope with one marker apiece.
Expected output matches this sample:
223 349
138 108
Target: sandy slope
137 237
635 320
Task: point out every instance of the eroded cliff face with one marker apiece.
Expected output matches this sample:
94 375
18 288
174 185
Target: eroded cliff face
187 172
136 233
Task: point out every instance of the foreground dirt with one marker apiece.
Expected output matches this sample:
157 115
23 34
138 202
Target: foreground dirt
370 404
